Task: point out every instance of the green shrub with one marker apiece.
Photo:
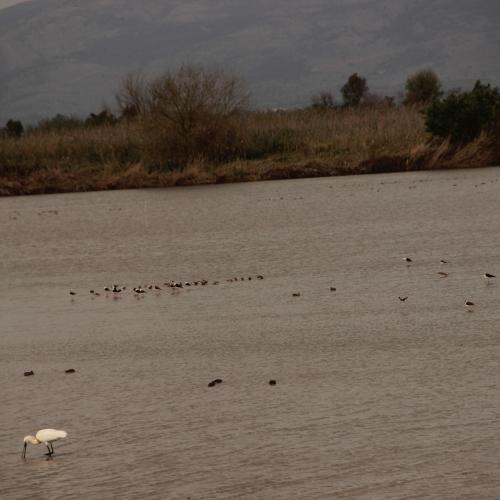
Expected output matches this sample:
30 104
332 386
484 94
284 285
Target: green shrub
462 117
104 117
262 143
59 123
13 128
354 90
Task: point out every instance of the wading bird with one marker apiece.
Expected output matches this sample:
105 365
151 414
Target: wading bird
469 305
45 436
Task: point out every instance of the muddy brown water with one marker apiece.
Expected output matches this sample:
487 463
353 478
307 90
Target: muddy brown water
375 398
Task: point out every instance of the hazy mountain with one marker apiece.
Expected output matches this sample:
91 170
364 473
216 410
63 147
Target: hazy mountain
8 3
69 56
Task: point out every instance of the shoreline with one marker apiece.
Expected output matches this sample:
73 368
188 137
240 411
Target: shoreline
54 181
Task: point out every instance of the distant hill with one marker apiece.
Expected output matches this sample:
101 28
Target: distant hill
60 56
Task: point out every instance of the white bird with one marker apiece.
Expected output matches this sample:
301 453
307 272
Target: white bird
46 437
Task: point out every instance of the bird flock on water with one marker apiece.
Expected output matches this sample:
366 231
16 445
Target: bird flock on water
49 436
138 291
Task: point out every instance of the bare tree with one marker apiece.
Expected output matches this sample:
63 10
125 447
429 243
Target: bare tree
191 113
133 98
193 94
422 87
323 100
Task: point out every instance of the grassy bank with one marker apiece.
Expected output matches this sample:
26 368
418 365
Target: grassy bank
270 145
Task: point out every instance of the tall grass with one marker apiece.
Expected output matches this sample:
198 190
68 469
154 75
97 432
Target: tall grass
85 147
344 136
261 145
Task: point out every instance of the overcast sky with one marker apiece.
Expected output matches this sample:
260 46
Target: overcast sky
8 3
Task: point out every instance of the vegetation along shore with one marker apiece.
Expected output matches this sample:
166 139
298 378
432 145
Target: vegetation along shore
196 126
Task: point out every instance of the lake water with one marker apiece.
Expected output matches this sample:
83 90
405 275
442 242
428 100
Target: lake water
375 398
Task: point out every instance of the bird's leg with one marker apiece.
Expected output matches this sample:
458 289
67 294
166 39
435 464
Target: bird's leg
50 452
52 447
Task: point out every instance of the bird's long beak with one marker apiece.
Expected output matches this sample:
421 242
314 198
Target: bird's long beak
24 450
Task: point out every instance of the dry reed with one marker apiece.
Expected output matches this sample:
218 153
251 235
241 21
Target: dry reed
266 145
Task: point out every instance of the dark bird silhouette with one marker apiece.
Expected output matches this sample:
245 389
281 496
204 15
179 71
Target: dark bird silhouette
488 276
70 370
333 289
215 382
72 293
272 382
402 299
296 294
407 259
28 374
